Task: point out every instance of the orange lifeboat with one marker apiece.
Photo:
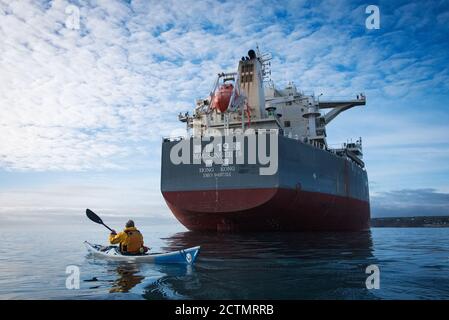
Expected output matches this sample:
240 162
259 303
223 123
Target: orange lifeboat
222 97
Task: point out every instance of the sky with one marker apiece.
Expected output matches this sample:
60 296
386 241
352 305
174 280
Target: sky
85 102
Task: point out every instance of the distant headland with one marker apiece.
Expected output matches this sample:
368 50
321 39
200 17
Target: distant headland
411 222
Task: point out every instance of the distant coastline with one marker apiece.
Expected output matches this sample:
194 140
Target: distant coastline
411 222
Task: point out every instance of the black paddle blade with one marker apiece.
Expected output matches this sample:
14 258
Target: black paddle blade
92 216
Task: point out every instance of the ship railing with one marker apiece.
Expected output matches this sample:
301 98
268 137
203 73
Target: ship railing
314 143
291 136
317 144
251 131
171 139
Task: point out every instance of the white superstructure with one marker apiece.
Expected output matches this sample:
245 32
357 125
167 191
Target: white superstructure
248 99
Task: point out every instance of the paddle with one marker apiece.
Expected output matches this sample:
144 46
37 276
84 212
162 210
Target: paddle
92 216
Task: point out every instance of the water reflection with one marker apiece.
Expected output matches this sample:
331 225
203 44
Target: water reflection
262 245
171 282
255 266
128 278
272 266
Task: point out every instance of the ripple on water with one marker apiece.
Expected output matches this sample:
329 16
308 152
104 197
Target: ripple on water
414 264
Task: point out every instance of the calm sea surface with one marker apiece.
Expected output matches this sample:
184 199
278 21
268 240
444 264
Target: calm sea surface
413 263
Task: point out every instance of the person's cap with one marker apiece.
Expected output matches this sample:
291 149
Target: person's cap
130 224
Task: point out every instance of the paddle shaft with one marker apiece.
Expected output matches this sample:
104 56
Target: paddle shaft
108 227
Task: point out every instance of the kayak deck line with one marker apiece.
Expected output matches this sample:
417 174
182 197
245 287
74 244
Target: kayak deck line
184 256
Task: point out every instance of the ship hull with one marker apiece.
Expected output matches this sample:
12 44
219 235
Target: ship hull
312 190
277 210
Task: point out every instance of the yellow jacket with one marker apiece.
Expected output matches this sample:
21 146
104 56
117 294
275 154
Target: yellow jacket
130 240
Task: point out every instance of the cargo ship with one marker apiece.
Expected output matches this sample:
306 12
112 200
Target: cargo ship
255 158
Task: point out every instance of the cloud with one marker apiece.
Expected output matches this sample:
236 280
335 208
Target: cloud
100 98
83 99
122 196
71 100
410 202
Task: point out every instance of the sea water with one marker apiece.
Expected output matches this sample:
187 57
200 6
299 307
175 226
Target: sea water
37 261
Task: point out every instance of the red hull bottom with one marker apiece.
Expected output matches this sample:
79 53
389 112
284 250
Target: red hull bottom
267 210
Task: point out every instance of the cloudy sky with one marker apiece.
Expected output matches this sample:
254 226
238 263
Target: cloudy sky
84 103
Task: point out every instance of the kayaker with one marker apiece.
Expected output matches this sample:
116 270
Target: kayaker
130 239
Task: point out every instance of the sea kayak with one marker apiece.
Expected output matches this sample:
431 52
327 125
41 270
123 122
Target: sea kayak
186 256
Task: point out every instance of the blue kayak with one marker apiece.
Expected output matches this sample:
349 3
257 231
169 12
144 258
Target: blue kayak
186 256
